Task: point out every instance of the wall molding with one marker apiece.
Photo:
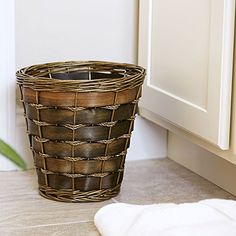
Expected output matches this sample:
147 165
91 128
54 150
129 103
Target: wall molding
204 163
7 76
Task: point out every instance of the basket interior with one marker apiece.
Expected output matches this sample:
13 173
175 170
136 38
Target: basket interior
85 75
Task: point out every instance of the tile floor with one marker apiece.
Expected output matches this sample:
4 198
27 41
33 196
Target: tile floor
24 212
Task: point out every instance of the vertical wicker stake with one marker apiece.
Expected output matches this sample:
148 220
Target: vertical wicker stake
41 138
79 118
73 146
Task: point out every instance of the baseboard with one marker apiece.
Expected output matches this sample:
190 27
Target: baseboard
208 165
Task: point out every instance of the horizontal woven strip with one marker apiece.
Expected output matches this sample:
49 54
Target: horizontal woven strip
72 175
78 126
77 195
38 77
41 107
77 142
68 158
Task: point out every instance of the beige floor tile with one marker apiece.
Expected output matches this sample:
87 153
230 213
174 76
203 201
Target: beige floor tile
158 181
24 212
69 229
22 206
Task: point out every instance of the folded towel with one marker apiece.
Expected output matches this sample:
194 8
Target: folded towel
212 217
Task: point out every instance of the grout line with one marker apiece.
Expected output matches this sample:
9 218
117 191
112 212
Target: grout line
114 200
56 224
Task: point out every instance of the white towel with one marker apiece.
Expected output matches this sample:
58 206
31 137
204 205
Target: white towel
213 217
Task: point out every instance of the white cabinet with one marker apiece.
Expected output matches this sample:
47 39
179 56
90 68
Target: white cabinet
187 49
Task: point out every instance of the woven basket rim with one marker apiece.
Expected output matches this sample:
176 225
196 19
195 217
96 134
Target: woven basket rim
133 76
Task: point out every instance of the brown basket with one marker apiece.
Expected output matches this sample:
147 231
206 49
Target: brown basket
79 118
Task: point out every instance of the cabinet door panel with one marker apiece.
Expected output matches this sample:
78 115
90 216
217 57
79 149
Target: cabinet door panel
187 48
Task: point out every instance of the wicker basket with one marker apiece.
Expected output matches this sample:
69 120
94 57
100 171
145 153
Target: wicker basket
79 118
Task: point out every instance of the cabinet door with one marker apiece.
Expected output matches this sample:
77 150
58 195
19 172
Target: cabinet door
187 49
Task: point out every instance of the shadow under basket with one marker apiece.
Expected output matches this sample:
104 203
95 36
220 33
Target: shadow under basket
79 118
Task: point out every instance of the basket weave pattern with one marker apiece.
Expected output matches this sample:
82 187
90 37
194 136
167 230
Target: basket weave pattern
79 118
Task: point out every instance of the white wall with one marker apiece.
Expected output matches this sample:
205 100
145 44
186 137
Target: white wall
148 141
75 30
83 30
